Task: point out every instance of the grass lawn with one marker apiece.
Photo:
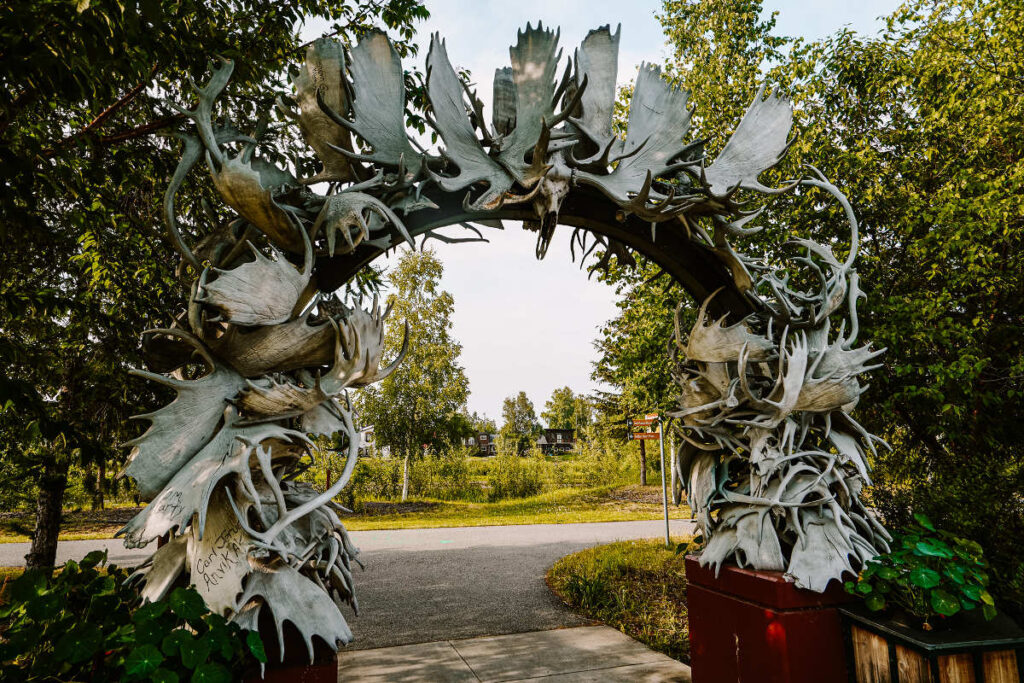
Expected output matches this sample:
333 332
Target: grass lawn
79 525
604 504
638 587
564 506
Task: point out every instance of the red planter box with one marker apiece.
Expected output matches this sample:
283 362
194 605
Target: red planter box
756 627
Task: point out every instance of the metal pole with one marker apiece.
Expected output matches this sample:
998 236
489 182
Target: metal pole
664 489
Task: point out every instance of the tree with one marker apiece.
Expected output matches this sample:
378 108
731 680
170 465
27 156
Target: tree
84 142
520 428
921 127
566 410
420 404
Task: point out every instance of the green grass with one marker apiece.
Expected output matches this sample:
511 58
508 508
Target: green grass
563 506
79 525
638 587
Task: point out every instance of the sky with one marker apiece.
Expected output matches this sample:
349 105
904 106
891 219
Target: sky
528 325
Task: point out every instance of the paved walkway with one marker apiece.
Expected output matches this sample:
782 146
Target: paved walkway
589 653
436 585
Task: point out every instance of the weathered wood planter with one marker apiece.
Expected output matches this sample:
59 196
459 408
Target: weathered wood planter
881 650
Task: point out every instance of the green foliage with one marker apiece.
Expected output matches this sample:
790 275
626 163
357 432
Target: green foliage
444 476
513 476
87 151
421 402
520 427
920 126
930 573
85 623
638 587
566 410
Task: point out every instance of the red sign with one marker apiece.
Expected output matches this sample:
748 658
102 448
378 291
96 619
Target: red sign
651 416
648 436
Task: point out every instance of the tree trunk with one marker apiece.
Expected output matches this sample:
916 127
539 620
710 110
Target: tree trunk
101 479
405 478
49 505
643 462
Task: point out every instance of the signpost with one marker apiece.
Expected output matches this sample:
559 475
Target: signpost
652 420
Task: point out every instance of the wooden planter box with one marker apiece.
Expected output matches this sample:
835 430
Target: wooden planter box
880 650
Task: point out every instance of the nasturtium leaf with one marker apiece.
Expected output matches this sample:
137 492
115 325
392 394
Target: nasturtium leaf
967 604
78 644
194 652
924 577
933 549
989 612
187 604
888 573
255 643
171 644
875 602
864 588
987 598
162 675
28 585
94 558
43 607
923 520
143 661
149 611
973 591
211 672
149 632
944 603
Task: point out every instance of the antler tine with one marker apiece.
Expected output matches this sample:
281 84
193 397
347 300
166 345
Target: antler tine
566 110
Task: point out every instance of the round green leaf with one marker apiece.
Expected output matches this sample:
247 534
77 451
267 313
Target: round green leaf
171 644
875 602
187 604
944 603
143 660
162 675
149 611
989 612
863 588
924 577
924 521
987 598
255 643
211 672
28 585
888 573
194 652
43 607
94 558
933 549
78 644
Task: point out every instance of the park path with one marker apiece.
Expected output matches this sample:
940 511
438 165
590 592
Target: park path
426 585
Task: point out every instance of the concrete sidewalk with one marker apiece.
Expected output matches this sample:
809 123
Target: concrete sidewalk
587 653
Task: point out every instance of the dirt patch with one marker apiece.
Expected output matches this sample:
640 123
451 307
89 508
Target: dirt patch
372 508
634 493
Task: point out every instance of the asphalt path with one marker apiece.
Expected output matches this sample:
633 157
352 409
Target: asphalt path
424 585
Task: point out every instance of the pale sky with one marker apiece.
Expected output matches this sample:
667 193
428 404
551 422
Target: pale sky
526 324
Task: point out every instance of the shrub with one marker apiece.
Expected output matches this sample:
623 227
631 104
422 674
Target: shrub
445 476
86 624
373 478
930 573
512 476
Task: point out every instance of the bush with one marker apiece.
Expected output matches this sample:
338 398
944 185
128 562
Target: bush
445 476
86 624
374 479
513 476
930 573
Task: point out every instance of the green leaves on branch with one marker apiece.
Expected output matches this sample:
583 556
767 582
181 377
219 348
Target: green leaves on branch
85 623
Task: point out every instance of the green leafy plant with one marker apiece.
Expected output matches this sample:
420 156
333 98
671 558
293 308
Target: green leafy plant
86 623
930 573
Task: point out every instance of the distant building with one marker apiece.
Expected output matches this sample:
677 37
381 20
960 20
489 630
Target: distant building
484 443
556 441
